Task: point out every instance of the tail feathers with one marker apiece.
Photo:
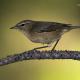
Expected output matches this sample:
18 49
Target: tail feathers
74 27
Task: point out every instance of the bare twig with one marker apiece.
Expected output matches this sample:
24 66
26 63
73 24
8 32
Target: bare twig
34 54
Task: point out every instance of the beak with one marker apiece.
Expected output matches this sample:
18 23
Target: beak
13 27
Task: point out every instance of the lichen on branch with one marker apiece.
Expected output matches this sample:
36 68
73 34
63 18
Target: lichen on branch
35 54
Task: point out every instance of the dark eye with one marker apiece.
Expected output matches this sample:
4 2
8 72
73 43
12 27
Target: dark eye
22 24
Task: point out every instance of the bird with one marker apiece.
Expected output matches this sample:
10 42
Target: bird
44 32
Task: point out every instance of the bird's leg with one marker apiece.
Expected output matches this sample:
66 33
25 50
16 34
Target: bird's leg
49 45
55 44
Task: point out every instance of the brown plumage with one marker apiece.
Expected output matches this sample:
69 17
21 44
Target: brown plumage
43 31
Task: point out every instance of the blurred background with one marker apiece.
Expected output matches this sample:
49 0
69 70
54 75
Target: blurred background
14 42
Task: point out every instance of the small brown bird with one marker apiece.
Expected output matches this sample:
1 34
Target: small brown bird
43 31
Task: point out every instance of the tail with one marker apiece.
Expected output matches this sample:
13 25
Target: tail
74 27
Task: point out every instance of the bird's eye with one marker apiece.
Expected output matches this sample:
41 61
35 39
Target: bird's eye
22 24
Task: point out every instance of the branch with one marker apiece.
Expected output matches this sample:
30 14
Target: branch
35 54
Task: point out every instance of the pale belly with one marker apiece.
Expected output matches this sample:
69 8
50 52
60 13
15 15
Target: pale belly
45 37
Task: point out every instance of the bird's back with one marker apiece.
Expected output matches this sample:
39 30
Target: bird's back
43 26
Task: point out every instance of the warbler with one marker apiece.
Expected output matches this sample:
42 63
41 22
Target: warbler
44 32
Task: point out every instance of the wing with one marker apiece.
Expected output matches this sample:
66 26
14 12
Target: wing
39 26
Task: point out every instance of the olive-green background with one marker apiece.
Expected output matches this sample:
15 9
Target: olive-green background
13 42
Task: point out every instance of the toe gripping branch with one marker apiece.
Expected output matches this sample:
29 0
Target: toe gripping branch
35 54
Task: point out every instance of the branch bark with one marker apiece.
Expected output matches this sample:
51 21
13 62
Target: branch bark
35 54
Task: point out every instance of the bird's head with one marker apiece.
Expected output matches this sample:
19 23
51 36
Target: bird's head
23 25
